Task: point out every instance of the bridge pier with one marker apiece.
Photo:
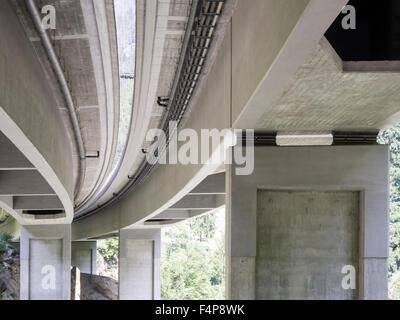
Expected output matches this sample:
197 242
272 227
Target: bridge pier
84 256
45 272
307 220
139 264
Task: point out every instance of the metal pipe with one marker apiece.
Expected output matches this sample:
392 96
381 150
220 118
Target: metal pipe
46 42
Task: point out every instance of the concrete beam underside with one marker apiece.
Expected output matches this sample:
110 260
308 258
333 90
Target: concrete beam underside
23 118
216 106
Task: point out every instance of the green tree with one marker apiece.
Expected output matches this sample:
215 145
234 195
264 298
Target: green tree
108 249
193 260
5 244
391 137
203 228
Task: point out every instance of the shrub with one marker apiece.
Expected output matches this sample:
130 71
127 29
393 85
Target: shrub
109 251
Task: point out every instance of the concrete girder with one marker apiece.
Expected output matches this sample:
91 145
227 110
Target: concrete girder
266 69
213 184
199 202
10 157
23 182
161 223
32 123
99 22
86 46
179 179
105 236
157 44
37 203
238 86
172 214
203 199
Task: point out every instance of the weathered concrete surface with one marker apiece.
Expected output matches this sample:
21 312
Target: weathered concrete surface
199 202
84 256
42 254
36 107
213 184
304 238
10 157
139 264
45 262
180 180
268 46
160 28
362 169
99 120
27 105
85 44
322 95
21 182
373 268
37 203
242 269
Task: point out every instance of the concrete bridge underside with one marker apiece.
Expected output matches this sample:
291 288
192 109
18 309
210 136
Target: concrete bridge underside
270 67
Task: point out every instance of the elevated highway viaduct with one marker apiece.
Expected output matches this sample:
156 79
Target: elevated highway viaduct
282 78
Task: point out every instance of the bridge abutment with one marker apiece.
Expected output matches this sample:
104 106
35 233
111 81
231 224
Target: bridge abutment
309 223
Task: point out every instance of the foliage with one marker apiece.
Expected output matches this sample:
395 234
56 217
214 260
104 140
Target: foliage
108 249
203 228
193 259
3 215
5 244
392 138
5 240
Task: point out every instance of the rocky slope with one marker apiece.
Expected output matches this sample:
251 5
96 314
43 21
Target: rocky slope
95 287
92 287
9 274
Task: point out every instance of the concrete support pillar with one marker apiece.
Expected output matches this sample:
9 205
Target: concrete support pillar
139 264
45 262
84 256
303 215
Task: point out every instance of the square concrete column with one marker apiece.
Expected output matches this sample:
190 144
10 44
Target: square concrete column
139 264
45 253
84 256
309 223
